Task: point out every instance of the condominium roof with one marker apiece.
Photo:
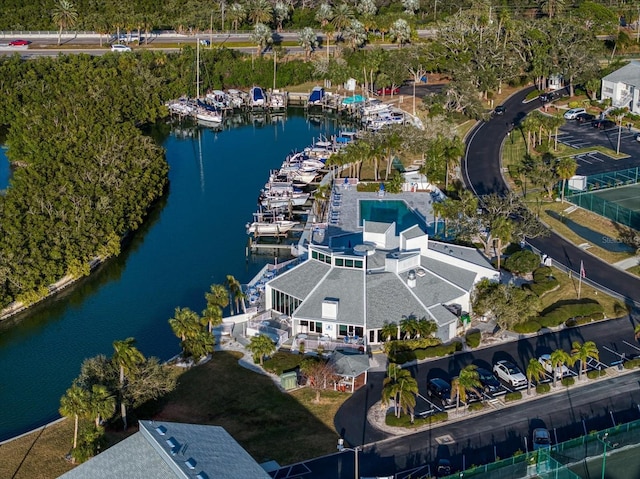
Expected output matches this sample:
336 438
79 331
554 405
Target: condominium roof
628 74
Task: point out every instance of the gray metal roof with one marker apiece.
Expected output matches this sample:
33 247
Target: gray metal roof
349 363
414 232
458 276
472 255
182 451
628 74
443 318
378 227
300 281
344 284
432 290
389 299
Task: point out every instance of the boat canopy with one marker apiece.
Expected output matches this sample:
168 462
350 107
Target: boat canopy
257 93
317 94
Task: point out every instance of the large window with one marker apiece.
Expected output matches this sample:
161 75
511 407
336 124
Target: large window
283 303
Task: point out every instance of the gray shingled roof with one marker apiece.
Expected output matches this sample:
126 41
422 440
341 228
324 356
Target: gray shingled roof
343 284
432 290
389 299
458 276
472 255
300 281
147 454
350 363
628 74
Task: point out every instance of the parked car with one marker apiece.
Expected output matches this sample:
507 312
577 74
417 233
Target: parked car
541 438
509 373
637 137
561 372
120 48
603 124
443 468
490 384
571 114
205 43
19 43
499 110
440 389
388 91
585 117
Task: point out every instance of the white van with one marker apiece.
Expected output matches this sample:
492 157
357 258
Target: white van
120 48
573 113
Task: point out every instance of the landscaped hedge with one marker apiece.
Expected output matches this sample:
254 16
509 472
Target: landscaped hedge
409 344
596 373
543 281
401 357
562 313
472 339
405 420
580 320
632 364
526 327
523 261
514 396
543 388
568 381
533 94
476 406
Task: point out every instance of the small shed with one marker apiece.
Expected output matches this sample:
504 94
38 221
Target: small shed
352 366
289 380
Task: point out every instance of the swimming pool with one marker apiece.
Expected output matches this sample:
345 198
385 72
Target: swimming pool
387 211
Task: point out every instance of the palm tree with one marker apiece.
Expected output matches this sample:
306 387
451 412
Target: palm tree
236 14
636 332
212 315
468 381
342 17
409 326
407 390
64 15
235 291
261 346
501 231
535 372
185 323
557 359
262 37
308 40
217 296
565 168
388 330
199 345
127 357
324 14
102 404
260 12
281 13
619 114
425 328
400 32
75 403
452 150
582 352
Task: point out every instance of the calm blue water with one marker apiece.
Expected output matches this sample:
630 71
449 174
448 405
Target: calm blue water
4 169
193 239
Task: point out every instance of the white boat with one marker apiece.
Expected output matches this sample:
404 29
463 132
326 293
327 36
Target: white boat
373 107
218 99
257 99
237 98
316 97
209 116
305 177
278 227
283 200
277 101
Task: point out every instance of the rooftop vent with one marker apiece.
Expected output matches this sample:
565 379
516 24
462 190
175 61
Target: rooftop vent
330 308
161 430
190 463
202 475
172 442
411 279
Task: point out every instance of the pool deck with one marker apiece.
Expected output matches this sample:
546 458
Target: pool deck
348 210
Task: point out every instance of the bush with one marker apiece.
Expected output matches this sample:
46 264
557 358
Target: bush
410 344
543 281
405 420
473 339
632 364
281 362
560 314
596 373
575 104
533 94
543 388
476 406
527 327
523 261
401 357
568 381
580 320
514 396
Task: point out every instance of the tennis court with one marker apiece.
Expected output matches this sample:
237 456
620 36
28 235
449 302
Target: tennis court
625 196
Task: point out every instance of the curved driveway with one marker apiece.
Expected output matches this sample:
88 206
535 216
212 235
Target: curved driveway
481 170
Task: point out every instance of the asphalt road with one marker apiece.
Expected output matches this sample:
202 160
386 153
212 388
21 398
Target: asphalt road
501 431
482 173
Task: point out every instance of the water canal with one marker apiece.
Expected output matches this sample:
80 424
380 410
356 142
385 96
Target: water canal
193 239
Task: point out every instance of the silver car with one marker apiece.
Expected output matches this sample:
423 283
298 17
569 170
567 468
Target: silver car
509 373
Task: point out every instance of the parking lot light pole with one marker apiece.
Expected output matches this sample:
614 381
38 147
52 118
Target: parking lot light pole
341 448
606 444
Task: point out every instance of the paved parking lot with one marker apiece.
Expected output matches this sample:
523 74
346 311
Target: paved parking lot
583 135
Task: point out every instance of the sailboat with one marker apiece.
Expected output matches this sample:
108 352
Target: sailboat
203 113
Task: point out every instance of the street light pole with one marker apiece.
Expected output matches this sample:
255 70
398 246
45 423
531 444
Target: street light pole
341 448
606 444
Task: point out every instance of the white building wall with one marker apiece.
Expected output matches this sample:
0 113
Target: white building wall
482 272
